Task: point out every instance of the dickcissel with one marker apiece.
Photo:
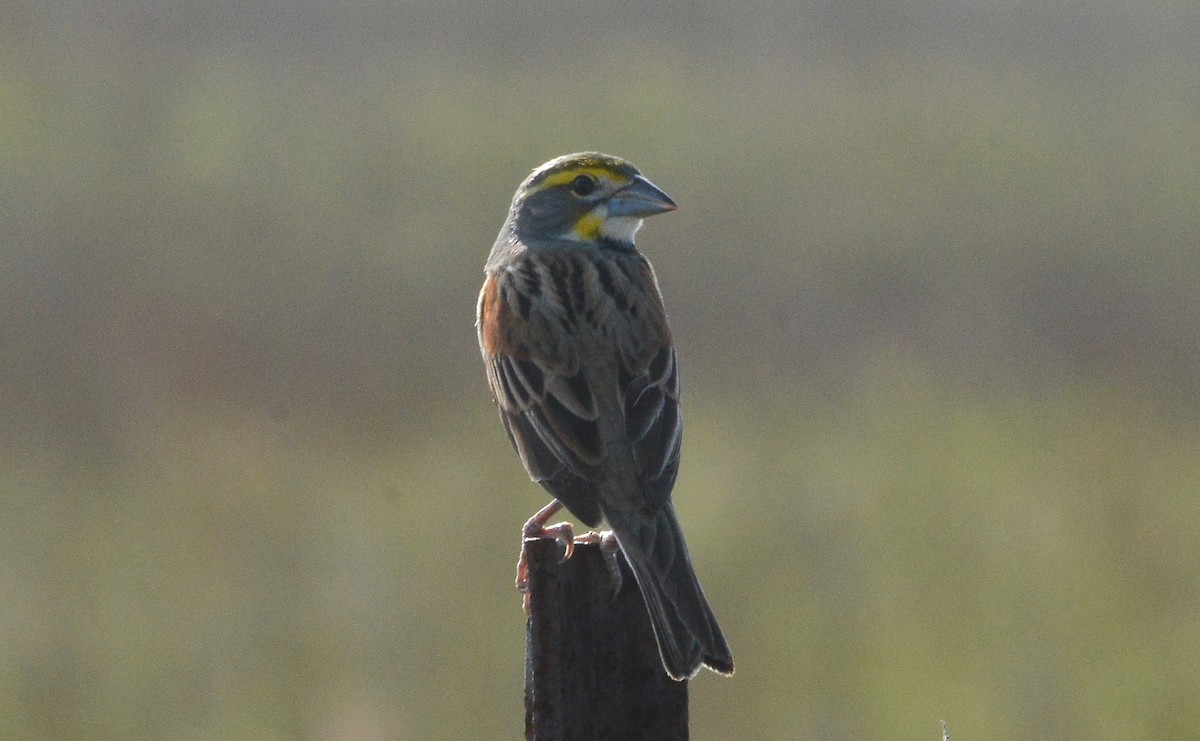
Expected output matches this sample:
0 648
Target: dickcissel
580 360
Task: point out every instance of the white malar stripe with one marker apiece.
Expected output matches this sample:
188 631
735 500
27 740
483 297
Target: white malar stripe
620 228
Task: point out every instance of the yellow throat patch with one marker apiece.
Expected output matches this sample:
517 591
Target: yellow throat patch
587 228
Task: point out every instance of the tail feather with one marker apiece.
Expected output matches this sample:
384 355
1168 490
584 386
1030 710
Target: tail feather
684 624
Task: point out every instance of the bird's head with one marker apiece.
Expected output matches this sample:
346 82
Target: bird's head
586 197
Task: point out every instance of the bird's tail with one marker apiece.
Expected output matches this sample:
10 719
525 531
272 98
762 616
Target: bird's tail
686 629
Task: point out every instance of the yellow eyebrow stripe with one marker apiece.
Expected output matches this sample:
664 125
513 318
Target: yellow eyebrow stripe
566 176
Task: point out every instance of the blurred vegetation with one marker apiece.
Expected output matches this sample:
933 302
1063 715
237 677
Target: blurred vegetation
934 281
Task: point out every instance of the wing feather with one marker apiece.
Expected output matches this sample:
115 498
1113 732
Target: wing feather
545 403
548 406
654 424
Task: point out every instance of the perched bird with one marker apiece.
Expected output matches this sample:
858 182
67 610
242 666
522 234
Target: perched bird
580 360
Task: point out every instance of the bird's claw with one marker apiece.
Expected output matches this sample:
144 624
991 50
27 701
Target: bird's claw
564 533
609 548
536 527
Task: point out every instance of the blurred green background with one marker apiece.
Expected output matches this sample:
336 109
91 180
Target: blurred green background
935 280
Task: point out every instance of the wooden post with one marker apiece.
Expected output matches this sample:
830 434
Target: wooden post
592 669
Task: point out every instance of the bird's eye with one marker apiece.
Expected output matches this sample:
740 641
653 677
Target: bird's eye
583 185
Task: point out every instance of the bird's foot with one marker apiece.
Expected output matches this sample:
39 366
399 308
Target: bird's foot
536 527
609 548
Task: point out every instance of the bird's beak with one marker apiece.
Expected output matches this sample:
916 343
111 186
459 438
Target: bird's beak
640 198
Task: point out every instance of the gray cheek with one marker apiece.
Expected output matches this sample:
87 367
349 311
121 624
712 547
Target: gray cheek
546 214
